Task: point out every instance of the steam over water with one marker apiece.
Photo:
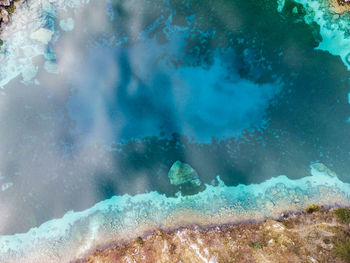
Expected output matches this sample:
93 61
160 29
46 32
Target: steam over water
99 99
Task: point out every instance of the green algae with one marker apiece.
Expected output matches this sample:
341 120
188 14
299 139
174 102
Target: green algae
139 240
342 249
256 245
313 208
11 8
343 214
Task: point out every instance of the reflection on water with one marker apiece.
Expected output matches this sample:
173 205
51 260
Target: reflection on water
128 93
109 94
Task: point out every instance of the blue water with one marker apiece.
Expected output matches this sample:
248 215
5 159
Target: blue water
136 93
100 98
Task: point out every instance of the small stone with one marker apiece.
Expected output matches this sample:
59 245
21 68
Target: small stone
5 2
4 15
269 205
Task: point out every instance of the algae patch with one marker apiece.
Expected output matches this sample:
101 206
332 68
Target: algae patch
343 214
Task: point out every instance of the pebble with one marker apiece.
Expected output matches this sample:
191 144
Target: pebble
4 16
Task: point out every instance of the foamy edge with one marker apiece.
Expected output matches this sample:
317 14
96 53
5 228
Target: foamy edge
125 217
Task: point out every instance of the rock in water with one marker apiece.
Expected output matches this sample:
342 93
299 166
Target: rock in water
321 168
181 173
4 16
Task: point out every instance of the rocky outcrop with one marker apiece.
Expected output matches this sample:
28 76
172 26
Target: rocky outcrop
317 236
339 7
343 2
7 7
4 14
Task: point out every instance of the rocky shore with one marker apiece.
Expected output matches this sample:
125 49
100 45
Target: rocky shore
343 2
317 235
340 6
7 8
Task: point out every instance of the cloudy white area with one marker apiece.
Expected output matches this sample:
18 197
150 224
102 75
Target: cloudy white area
68 81
35 141
138 90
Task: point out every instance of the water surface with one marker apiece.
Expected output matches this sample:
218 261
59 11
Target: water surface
100 98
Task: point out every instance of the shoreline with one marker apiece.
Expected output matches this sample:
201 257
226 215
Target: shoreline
262 239
124 218
205 228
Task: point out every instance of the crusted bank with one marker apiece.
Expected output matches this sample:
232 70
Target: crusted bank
316 235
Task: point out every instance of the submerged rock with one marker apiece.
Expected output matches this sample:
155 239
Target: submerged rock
321 168
181 173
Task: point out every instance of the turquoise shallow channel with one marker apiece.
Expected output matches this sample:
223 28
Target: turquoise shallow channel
119 117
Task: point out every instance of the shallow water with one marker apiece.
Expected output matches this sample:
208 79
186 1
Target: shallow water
100 98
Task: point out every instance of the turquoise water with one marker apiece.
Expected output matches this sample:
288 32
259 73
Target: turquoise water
98 99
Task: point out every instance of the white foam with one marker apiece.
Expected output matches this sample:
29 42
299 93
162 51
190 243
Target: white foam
334 34
67 24
28 36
